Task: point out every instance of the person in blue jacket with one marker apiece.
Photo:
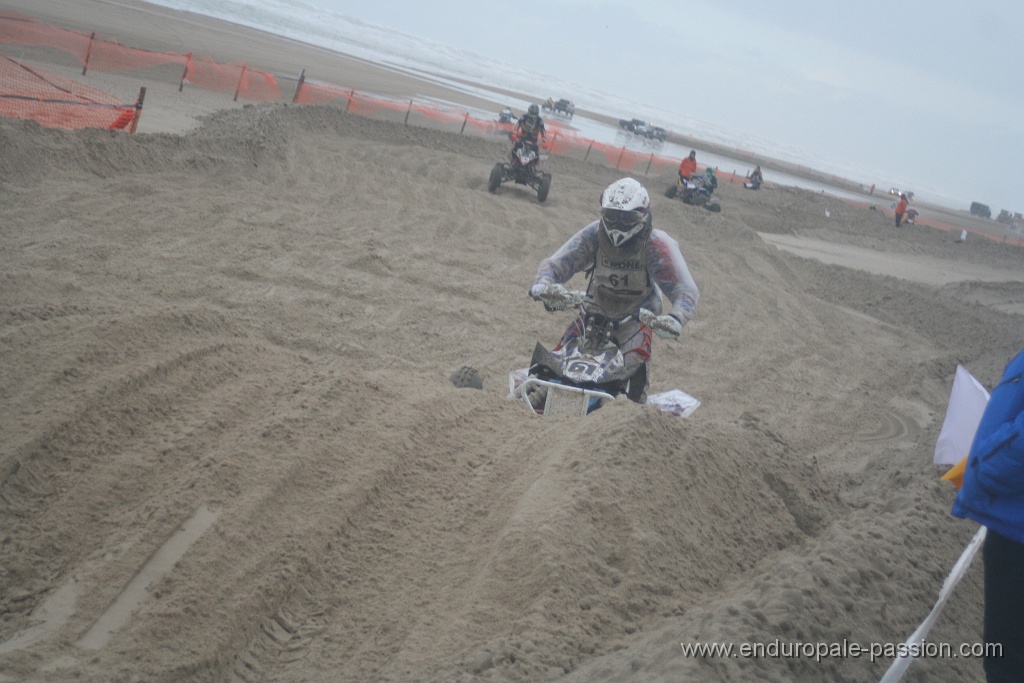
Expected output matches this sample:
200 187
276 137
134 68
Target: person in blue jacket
993 495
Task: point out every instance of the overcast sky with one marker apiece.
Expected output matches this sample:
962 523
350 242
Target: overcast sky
921 92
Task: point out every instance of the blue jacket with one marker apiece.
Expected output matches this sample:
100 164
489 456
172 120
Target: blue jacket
993 489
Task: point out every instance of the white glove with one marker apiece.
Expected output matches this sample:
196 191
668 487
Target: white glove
538 292
555 297
664 326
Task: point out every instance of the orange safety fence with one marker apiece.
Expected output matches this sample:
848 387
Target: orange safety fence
319 93
18 30
489 127
53 101
99 54
249 84
107 55
937 224
559 141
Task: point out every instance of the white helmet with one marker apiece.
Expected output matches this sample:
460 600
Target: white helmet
625 210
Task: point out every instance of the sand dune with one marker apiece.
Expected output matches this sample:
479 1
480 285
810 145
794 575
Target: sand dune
247 329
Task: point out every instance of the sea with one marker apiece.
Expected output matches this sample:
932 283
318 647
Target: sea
304 21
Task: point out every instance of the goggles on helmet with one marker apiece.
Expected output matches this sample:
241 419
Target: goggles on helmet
619 219
621 225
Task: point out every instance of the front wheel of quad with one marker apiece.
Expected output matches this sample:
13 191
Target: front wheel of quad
497 173
545 187
714 207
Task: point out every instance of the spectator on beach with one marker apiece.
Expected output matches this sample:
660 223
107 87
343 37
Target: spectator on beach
901 208
992 494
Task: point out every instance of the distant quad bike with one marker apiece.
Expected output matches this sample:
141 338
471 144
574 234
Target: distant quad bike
696 191
523 168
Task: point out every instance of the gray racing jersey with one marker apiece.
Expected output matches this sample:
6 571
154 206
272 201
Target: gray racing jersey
627 278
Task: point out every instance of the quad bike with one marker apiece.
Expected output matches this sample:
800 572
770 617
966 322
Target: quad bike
696 191
579 377
523 168
589 371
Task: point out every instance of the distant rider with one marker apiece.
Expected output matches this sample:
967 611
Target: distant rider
688 166
630 266
528 128
756 178
709 180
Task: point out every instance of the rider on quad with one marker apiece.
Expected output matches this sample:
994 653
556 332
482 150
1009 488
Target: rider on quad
756 178
630 266
709 180
529 126
688 166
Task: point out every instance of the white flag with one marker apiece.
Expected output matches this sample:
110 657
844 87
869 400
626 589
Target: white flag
967 402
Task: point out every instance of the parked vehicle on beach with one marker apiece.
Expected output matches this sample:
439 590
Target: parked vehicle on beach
563 107
643 129
652 132
979 209
630 125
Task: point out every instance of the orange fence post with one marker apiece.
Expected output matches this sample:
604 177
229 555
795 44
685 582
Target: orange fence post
298 88
138 111
464 122
184 73
589 147
351 96
241 78
407 112
649 162
88 51
619 160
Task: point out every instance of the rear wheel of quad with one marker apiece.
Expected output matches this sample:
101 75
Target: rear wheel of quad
545 187
497 173
714 207
671 191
